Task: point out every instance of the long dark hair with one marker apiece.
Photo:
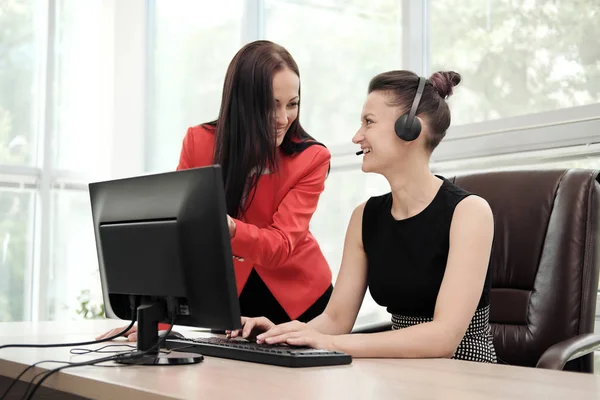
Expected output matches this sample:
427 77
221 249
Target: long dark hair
245 139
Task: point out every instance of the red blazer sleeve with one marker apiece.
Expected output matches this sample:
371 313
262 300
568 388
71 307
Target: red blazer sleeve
269 247
187 152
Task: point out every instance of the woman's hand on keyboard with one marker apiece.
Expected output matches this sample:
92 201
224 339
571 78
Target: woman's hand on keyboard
131 334
296 333
251 327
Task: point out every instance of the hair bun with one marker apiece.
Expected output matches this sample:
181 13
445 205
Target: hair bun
444 82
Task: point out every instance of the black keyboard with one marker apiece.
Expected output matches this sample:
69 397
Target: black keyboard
243 350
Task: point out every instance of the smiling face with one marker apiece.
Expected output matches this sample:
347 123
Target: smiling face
286 86
376 136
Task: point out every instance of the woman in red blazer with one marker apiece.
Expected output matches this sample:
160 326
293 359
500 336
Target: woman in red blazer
274 173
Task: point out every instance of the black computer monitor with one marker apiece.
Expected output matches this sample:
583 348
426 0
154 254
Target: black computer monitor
163 243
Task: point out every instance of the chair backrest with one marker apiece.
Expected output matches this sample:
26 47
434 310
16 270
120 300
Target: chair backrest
544 261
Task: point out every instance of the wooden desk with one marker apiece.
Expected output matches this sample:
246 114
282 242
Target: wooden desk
216 378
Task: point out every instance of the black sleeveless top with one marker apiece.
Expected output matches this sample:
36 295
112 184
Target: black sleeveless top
406 264
407 258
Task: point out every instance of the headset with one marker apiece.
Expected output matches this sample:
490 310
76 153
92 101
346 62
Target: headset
408 126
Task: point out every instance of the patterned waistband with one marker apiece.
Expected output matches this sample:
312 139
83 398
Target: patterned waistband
476 345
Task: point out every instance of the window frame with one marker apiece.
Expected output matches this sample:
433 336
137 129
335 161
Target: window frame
130 27
126 26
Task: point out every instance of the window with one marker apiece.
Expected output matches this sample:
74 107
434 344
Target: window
191 44
587 156
516 58
108 88
344 191
21 53
54 84
82 149
346 45
81 93
73 269
16 237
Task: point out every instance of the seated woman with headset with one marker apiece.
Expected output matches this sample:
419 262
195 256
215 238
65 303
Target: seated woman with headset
423 249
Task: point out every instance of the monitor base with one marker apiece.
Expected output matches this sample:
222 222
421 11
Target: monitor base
173 358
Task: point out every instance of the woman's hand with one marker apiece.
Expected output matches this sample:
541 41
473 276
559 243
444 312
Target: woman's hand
251 327
131 334
231 225
296 333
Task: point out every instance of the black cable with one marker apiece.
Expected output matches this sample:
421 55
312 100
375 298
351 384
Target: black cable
140 355
79 352
25 371
115 357
133 307
44 372
66 362
37 346
61 362
83 351
30 392
29 386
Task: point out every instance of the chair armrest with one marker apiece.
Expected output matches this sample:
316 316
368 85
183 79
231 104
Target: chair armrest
374 327
557 355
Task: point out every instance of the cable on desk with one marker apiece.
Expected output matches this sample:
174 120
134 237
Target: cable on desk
81 351
132 304
70 363
59 362
25 371
31 391
75 352
37 346
172 311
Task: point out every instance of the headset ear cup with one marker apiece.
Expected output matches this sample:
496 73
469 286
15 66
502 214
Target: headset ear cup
414 131
404 133
399 125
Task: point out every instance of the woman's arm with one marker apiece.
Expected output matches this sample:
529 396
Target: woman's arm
471 235
343 306
269 247
187 153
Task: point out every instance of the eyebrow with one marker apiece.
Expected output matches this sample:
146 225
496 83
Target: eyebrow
292 99
368 115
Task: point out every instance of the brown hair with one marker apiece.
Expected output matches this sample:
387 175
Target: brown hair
245 129
402 85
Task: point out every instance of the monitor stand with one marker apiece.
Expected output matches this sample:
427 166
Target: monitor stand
148 317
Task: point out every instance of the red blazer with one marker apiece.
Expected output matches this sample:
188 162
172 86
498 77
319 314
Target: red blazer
273 237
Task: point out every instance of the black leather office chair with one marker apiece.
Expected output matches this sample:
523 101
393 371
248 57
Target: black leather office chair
545 263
